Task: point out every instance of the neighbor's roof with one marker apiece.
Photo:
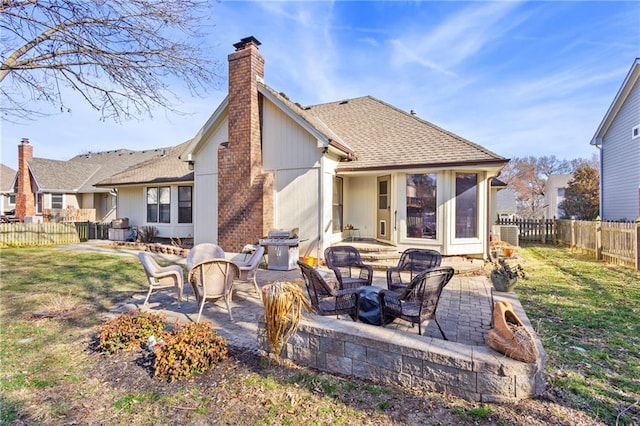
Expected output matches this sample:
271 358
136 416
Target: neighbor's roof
82 172
7 175
630 80
160 169
385 137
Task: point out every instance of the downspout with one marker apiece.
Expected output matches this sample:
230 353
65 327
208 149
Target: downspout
320 207
488 216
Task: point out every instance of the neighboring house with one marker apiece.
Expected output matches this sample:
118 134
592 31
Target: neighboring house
506 205
158 193
554 189
618 138
7 194
262 162
64 190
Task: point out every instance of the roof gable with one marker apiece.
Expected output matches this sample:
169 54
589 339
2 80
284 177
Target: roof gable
7 176
630 80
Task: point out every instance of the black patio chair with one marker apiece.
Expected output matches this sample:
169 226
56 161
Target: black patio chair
346 263
412 262
326 298
419 300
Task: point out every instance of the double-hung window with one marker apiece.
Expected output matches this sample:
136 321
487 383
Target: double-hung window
56 201
184 204
159 204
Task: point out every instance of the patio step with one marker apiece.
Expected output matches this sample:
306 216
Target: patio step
381 257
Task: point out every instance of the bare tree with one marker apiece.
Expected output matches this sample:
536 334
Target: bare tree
119 55
528 176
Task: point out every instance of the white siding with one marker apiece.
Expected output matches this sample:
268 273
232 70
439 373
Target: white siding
285 143
132 204
297 205
621 162
292 155
205 191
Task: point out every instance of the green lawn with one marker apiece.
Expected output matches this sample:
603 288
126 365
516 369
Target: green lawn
588 317
586 313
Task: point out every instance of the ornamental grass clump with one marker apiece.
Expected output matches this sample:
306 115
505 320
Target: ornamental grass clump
284 304
129 331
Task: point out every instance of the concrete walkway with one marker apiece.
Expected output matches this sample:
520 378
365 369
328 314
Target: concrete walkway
464 311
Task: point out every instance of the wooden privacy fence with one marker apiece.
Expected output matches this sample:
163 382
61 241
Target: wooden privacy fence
37 234
614 242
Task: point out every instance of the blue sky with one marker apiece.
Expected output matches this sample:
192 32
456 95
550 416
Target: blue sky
520 78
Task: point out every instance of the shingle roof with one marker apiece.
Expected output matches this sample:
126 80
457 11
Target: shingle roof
82 172
385 137
109 163
7 174
165 168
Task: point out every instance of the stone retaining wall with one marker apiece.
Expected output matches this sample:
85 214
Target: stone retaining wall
387 356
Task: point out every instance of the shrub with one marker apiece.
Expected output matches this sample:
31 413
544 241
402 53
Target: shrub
129 331
193 348
147 234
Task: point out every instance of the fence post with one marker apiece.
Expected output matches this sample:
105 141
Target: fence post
543 231
573 231
638 243
598 225
554 231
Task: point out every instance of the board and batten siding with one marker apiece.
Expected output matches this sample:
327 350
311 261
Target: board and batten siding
205 191
292 154
621 162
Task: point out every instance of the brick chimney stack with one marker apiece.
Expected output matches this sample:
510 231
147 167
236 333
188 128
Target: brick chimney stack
245 193
25 205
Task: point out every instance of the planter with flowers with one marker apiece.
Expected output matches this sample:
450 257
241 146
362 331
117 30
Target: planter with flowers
504 276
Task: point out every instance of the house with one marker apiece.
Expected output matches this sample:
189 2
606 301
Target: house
157 192
503 202
7 194
54 190
262 161
618 138
554 189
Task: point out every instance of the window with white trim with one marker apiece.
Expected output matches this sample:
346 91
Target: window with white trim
159 204
57 201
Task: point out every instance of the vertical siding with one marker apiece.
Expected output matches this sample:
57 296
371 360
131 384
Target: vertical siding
205 186
285 144
621 162
297 204
292 155
131 202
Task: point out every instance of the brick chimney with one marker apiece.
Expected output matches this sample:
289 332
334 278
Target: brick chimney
25 205
245 193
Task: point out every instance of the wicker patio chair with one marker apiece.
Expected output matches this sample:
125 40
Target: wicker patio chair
212 280
203 251
160 277
412 262
419 300
326 298
346 263
248 262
